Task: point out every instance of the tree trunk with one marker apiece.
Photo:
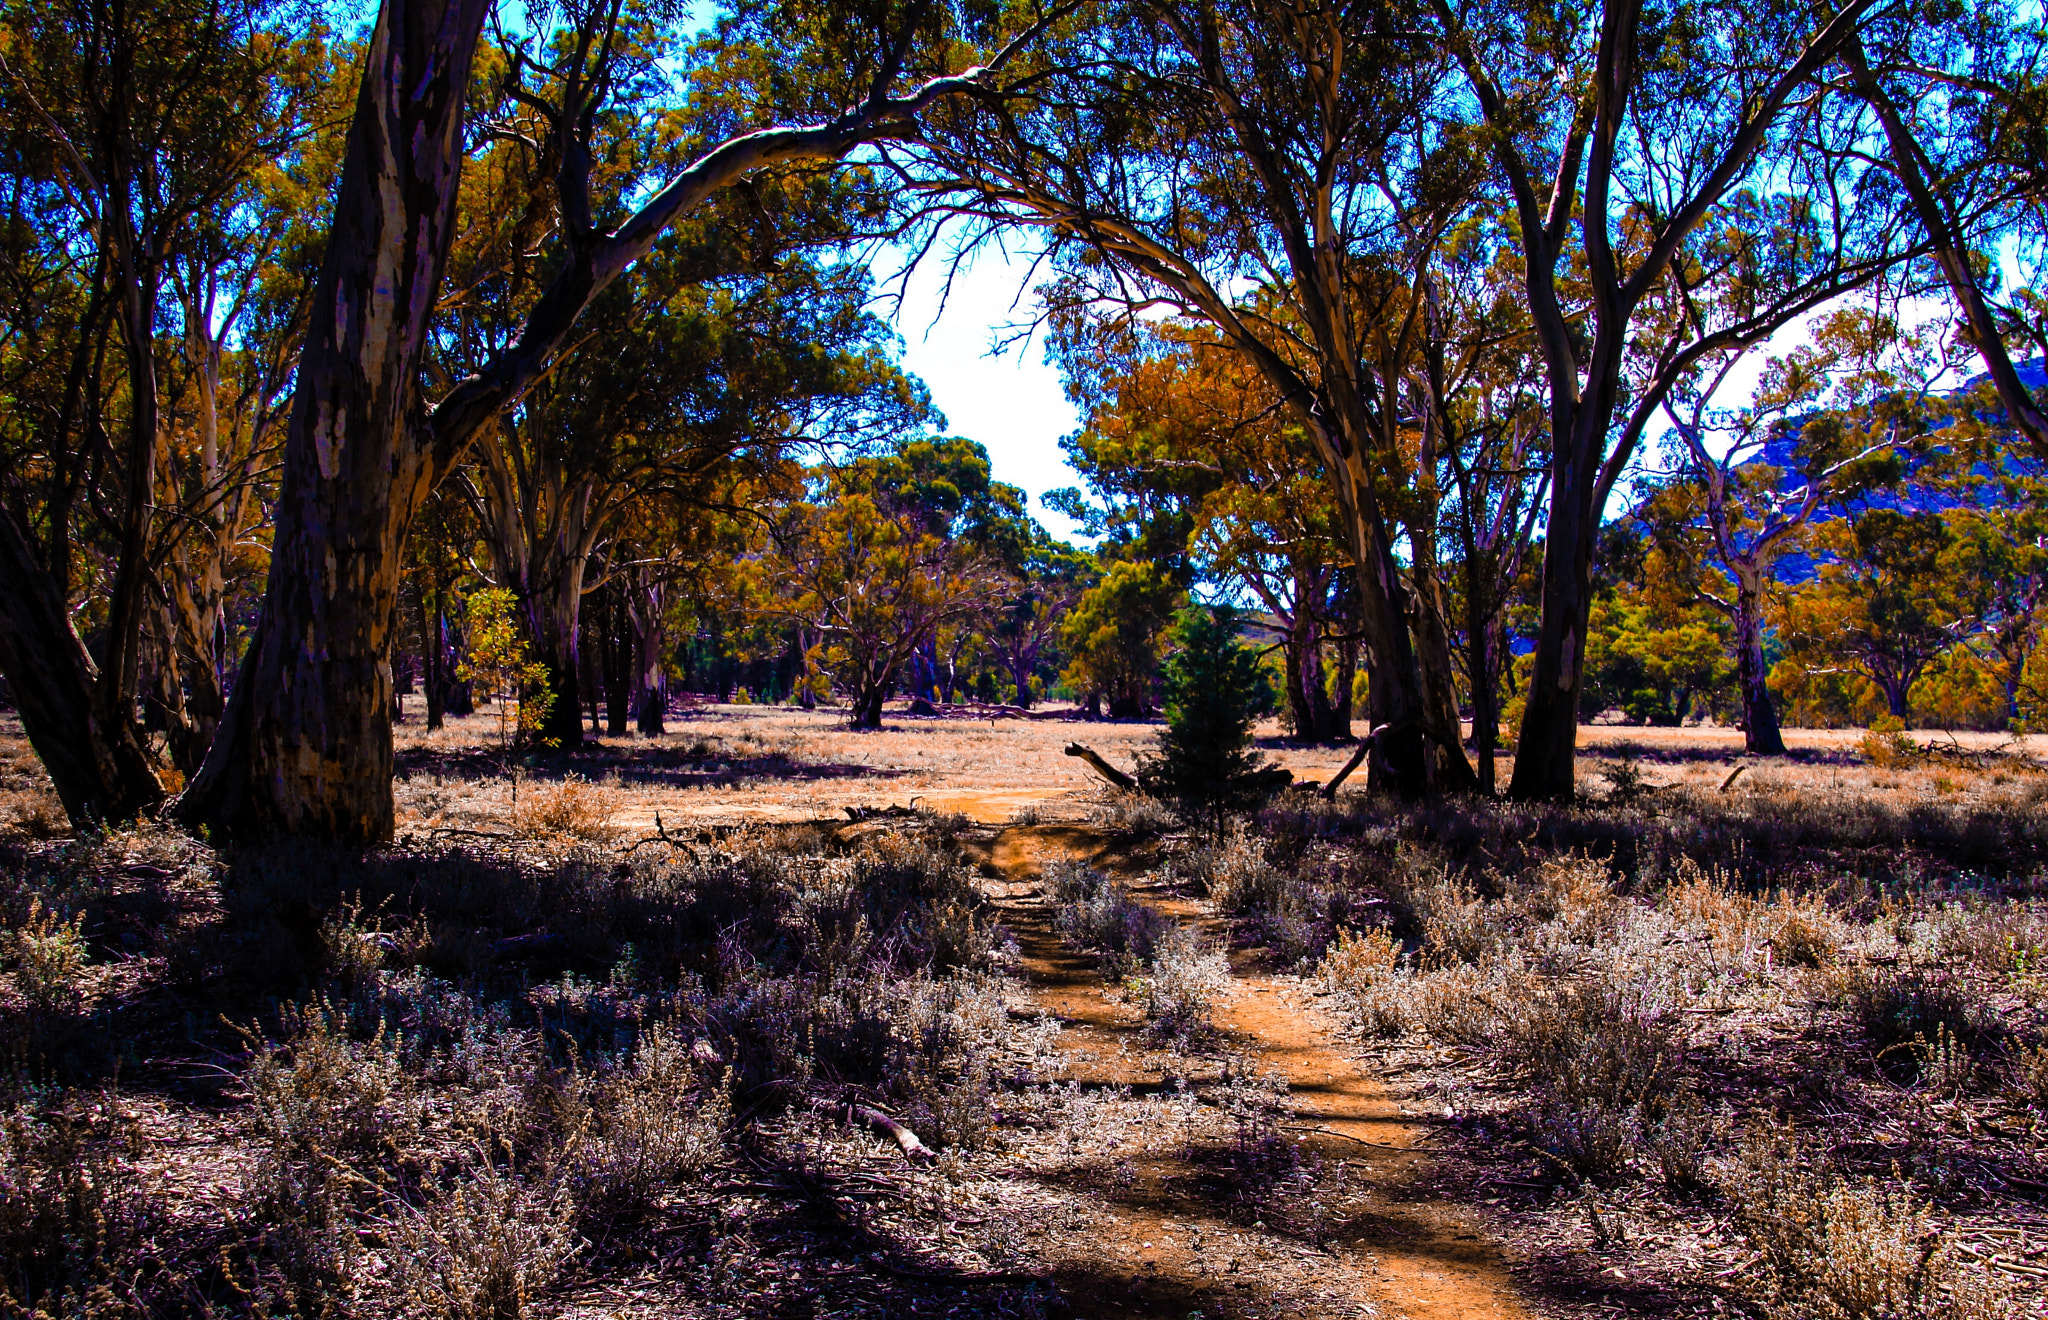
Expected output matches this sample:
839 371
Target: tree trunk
433 660
617 654
1300 638
305 747
1760 732
1546 754
1340 705
101 770
1433 650
1400 761
1020 674
650 678
554 615
867 704
196 623
1897 688
120 653
1479 670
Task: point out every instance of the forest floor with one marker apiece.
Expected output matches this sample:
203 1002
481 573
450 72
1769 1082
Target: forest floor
727 765
607 1034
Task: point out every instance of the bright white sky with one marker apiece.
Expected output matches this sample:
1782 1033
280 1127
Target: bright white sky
1011 403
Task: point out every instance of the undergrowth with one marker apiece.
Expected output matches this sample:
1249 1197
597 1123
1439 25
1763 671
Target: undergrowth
455 1076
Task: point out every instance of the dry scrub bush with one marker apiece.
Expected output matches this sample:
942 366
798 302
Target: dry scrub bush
1832 1249
1291 900
322 1094
574 808
1181 987
1126 811
1893 750
1600 1065
75 1228
37 813
1365 969
644 1127
48 956
1235 875
326 1110
483 1248
2009 939
2027 1079
1094 912
1749 932
1919 1022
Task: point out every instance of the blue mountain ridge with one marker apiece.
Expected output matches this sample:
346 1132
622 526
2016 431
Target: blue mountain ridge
1781 451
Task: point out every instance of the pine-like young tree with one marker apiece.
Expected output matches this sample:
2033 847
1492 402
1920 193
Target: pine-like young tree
1215 689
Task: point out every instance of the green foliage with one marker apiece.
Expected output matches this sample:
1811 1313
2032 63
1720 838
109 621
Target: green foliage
1215 690
497 661
1115 634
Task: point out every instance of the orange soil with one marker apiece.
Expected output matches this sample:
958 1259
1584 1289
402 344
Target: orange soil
1408 1255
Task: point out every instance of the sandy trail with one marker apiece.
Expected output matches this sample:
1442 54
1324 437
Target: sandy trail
1396 1251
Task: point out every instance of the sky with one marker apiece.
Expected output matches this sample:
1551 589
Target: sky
1011 401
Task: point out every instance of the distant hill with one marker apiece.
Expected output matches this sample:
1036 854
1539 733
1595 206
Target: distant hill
1782 452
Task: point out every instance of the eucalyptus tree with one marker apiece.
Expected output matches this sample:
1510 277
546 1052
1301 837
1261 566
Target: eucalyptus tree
1683 179
1841 409
1479 385
668 388
878 556
305 746
1281 174
1175 418
1958 100
1047 580
134 134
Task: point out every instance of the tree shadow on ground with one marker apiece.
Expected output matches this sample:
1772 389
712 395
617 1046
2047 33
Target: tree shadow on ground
694 765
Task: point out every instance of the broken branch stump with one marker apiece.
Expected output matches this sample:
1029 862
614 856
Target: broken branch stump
1100 766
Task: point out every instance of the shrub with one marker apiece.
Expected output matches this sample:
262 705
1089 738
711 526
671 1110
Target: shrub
643 1127
575 808
2007 940
496 660
1215 690
1122 811
1832 1249
1600 1069
48 953
1094 912
483 1248
1806 934
1907 1014
325 1108
323 1094
2028 1078
1575 893
1891 749
74 1227
1358 963
1365 970
1182 985
1458 925
1235 874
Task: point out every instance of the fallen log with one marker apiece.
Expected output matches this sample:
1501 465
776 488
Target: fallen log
1101 767
1329 790
906 1141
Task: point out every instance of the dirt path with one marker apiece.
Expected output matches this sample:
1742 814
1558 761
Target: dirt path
1171 1240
